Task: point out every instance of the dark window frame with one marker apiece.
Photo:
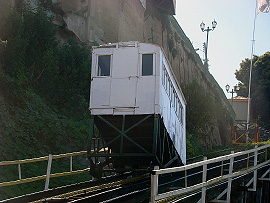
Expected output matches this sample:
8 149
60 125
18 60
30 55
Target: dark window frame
147 63
107 71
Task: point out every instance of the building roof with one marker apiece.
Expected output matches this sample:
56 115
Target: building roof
239 99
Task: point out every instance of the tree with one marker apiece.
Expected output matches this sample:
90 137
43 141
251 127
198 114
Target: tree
260 85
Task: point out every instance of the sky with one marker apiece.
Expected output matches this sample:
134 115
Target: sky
231 41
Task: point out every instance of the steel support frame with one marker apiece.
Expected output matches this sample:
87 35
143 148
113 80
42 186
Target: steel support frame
95 153
245 133
158 148
163 137
122 134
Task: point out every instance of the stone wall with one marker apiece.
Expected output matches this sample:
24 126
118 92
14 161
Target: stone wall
105 21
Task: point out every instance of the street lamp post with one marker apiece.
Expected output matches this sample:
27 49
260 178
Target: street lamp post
234 90
202 26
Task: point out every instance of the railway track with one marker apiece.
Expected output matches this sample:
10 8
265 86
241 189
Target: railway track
77 191
107 192
128 186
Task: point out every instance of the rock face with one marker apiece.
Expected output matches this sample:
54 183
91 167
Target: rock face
109 21
105 21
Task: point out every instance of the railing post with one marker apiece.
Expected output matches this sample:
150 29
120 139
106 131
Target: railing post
221 169
230 179
204 180
154 185
266 154
256 133
186 179
48 172
255 171
247 160
19 170
70 163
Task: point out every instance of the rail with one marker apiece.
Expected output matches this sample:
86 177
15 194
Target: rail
205 183
48 174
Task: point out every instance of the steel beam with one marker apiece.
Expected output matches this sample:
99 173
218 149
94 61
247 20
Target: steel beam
91 132
155 134
171 161
123 134
123 130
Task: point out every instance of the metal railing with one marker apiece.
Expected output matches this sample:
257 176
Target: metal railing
206 183
49 166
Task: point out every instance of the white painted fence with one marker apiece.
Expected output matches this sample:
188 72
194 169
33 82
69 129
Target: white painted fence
233 173
49 166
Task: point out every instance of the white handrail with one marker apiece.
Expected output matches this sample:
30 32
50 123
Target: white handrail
209 161
206 183
46 158
48 174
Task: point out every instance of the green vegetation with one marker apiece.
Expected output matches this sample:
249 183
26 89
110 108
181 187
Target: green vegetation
44 97
203 113
260 86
